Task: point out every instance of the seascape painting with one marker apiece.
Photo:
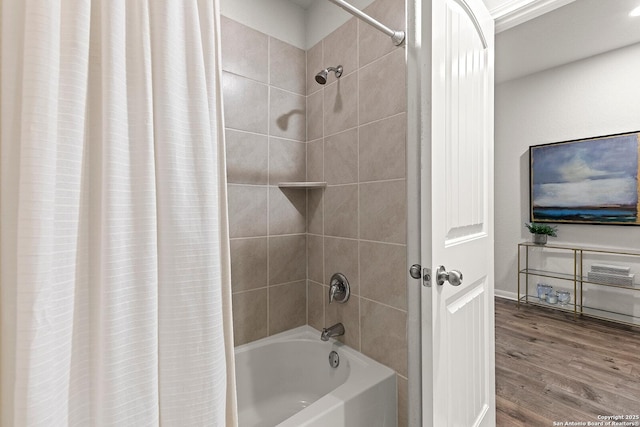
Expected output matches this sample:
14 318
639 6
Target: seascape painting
593 181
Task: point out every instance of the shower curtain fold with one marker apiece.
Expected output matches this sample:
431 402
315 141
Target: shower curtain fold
114 255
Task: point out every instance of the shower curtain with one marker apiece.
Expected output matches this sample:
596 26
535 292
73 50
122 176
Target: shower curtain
114 263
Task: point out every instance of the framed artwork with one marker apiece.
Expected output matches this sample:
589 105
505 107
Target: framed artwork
586 181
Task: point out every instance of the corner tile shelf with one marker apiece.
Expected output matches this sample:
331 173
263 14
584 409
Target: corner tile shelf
578 279
303 184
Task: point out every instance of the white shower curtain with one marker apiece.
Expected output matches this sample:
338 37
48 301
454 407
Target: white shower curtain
114 263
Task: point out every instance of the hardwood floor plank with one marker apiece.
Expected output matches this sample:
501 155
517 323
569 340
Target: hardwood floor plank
552 367
570 334
557 383
583 371
521 389
512 415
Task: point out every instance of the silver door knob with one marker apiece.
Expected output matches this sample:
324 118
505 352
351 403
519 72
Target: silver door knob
416 271
454 276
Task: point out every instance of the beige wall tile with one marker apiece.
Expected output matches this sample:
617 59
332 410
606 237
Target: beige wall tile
287 306
315 258
248 263
315 304
366 199
287 259
383 211
341 104
247 155
315 211
286 160
382 148
315 160
246 104
384 334
341 48
348 315
287 211
341 157
247 211
341 256
287 115
373 43
314 65
287 66
249 316
341 211
244 50
383 273
382 88
315 116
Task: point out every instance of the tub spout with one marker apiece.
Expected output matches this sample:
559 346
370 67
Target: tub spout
332 331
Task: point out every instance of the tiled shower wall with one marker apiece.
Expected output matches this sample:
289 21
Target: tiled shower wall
356 133
285 245
264 107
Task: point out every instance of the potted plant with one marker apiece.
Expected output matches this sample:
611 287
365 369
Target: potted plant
541 231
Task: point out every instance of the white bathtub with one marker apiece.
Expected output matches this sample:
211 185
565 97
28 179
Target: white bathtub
285 380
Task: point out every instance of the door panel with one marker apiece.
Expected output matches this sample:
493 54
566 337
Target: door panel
458 326
464 97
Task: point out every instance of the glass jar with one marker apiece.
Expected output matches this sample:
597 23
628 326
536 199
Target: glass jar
564 297
542 295
543 290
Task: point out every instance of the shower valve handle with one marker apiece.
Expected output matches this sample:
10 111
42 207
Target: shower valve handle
339 288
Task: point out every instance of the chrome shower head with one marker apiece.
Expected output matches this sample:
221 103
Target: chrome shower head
321 77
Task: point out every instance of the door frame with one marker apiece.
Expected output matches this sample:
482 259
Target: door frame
419 209
418 91
513 13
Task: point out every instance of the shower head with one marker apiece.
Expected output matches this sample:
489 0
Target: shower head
321 77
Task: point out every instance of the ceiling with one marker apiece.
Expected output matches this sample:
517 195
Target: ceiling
572 32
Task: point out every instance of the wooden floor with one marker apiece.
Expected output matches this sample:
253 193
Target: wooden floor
552 368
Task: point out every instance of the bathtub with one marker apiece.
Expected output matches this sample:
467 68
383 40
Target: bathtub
286 380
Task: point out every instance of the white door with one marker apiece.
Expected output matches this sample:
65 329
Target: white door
457 219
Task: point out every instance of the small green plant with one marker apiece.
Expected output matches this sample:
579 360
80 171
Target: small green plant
536 228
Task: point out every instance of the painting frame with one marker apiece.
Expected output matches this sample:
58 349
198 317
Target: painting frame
586 181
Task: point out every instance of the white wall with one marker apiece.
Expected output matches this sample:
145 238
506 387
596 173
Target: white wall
278 18
596 96
323 17
289 22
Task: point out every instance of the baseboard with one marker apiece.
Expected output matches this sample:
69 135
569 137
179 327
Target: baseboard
505 294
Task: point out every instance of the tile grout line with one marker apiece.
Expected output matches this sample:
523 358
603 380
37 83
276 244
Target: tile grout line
324 178
306 177
383 304
359 295
355 239
359 125
268 82
268 180
358 23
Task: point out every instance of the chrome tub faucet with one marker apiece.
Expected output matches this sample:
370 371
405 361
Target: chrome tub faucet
332 331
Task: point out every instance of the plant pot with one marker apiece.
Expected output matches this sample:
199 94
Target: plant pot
540 239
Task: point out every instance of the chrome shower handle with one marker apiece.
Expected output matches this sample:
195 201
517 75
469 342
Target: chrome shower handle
339 288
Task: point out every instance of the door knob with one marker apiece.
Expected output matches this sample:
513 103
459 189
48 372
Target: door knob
416 271
454 276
